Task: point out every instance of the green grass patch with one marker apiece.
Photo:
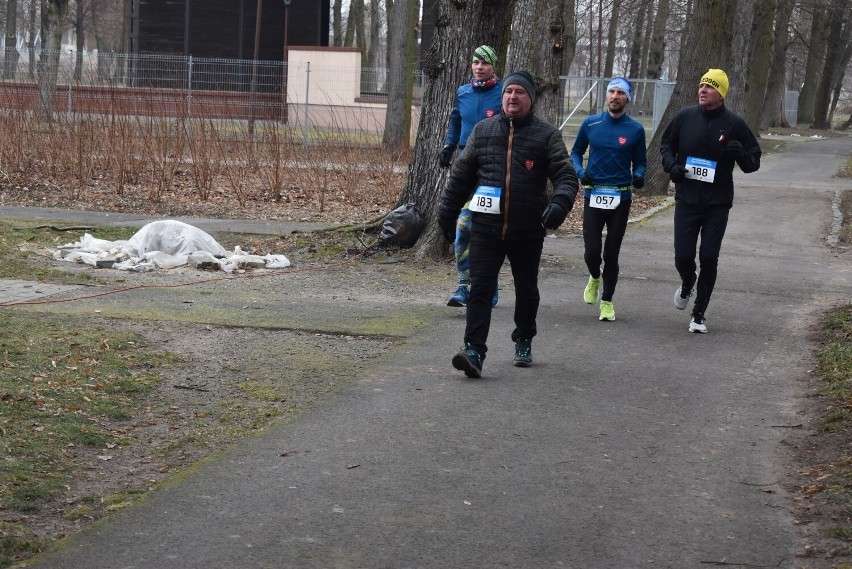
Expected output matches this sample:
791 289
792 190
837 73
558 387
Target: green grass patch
25 244
62 382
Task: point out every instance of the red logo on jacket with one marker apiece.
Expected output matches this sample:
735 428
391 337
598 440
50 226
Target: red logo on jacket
489 113
528 164
622 140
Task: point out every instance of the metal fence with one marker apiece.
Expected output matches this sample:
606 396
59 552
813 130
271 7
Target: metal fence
306 97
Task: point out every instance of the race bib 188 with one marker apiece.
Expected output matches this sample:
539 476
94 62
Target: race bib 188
486 199
700 169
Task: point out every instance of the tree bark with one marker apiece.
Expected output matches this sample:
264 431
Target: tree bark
398 115
741 42
537 46
758 64
337 23
814 62
635 63
773 111
704 48
840 70
460 28
834 54
611 38
657 50
53 15
10 62
80 31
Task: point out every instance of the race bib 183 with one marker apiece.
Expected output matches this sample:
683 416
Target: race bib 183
486 199
700 169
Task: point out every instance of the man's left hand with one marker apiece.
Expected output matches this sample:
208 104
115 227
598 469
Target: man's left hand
553 216
735 149
638 182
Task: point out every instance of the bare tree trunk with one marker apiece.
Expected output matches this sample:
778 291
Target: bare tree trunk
741 43
337 23
814 63
537 46
704 48
10 63
398 115
834 54
370 81
32 36
611 38
773 110
635 63
53 17
460 28
840 70
80 31
657 51
758 64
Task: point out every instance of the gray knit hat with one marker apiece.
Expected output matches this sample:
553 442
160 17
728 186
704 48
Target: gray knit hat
523 79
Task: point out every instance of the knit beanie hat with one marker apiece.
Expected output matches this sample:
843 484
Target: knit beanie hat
623 84
523 79
485 53
717 79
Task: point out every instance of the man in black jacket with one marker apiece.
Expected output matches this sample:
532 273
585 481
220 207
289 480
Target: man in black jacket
699 149
505 167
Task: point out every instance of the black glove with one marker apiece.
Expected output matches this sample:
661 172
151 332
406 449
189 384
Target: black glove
735 149
678 173
587 180
553 216
638 182
448 226
445 156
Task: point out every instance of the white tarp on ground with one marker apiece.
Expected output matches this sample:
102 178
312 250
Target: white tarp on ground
164 245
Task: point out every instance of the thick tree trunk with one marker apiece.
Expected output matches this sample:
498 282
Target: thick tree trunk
398 116
814 63
460 28
758 64
537 46
657 51
741 43
704 48
337 23
773 111
635 63
834 54
53 17
611 38
10 63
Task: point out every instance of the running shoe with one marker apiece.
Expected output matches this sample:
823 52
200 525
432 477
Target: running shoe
681 300
698 324
607 311
523 352
460 297
590 295
469 361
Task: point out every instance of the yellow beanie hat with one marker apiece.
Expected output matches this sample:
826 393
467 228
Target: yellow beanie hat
717 79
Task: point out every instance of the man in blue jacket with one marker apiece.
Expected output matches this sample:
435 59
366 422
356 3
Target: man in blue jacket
506 165
699 149
616 164
478 99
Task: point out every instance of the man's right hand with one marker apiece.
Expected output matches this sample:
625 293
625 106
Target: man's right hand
445 156
448 227
678 173
587 180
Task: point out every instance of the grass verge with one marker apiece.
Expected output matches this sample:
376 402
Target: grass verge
62 384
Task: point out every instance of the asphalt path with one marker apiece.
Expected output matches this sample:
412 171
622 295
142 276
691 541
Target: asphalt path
627 444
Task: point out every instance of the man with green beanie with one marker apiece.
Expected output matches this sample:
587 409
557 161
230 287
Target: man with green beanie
476 100
699 150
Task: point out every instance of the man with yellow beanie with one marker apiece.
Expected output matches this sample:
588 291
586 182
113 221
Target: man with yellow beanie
699 149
